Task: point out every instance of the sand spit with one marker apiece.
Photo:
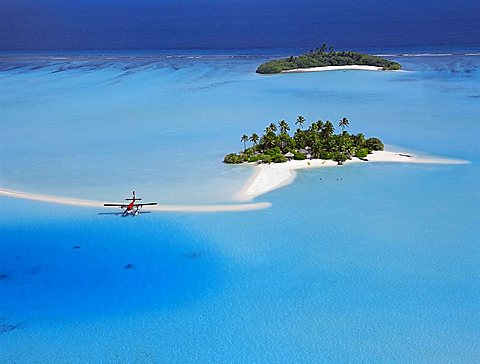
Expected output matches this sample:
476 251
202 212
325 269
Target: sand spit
161 208
334 68
268 177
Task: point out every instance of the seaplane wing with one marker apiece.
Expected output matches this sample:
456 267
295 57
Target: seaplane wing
131 208
145 204
115 205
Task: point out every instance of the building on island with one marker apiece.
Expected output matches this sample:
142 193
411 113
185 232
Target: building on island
289 156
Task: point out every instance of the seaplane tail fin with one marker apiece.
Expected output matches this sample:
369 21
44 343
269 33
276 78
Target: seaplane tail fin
134 198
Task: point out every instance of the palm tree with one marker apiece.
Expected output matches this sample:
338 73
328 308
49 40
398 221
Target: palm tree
254 138
273 127
284 141
269 139
284 127
300 121
328 129
300 138
317 150
359 140
343 124
330 145
244 140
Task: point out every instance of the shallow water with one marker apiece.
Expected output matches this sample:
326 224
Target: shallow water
362 263
97 129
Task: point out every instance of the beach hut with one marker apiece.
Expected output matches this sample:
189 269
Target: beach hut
306 152
289 156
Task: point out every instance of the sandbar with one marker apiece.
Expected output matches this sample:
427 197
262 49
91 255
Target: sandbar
268 177
162 208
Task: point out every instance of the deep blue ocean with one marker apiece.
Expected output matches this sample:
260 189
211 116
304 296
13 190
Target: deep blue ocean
370 263
237 24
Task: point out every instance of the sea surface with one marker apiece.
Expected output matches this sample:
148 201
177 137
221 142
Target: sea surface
360 263
238 24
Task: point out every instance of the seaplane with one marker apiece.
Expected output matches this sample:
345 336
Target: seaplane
132 208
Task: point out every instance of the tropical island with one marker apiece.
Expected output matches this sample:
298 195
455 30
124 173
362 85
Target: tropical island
319 141
321 57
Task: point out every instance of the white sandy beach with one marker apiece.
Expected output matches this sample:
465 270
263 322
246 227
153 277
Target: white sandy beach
268 177
334 68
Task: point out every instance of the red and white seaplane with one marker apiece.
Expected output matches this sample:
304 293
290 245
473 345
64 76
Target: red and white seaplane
132 208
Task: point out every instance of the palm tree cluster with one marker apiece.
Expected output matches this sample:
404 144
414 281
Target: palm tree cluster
318 141
321 57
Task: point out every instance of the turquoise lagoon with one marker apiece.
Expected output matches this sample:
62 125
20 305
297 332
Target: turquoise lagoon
361 263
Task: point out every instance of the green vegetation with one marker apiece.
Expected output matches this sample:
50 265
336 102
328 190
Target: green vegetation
233 158
361 153
299 156
318 141
320 57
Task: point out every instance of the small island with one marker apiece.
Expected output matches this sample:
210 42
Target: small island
321 57
319 141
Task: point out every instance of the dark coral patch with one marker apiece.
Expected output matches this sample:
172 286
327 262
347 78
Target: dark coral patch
193 255
4 328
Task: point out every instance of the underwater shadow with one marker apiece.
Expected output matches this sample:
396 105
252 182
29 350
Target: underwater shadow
92 269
